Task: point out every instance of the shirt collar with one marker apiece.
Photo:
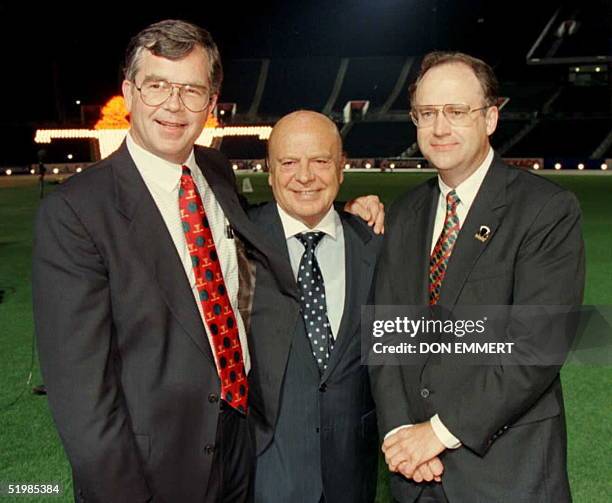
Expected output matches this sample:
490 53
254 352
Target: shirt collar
292 226
154 169
469 187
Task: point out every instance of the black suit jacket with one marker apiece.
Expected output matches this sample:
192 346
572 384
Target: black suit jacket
130 374
348 437
510 419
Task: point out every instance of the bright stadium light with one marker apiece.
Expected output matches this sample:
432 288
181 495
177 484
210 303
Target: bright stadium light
557 166
347 166
32 171
368 165
598 69
79 169
580 166
235 167
392 165
69 156
77 102
577 68
604 166
55 171
536 165
418 165
258 167
8 172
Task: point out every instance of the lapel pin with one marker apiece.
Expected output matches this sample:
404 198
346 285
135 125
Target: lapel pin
483 233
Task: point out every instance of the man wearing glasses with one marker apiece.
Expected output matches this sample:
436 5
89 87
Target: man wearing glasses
142 285
480 233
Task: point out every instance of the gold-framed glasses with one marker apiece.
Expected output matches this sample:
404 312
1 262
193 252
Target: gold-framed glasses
155 92
456 114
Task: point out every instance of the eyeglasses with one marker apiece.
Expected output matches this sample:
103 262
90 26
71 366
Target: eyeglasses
156 92
457 115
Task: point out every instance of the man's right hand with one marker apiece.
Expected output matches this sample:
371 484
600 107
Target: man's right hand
428 471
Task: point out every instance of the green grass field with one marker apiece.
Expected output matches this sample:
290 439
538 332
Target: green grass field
30 451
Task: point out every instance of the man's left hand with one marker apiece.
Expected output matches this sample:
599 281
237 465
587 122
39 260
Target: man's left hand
411 447
370 209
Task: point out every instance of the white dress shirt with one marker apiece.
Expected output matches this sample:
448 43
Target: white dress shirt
330 256
162 178
467 191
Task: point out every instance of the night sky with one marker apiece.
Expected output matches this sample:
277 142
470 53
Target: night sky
54 54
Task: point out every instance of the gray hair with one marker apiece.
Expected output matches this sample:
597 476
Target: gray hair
174 39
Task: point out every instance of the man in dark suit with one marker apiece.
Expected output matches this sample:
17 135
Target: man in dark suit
142 285
481 233
311 412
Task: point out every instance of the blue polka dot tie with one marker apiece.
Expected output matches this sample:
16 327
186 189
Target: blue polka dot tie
313 305
218 312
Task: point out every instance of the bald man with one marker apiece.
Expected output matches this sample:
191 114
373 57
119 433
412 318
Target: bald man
311 412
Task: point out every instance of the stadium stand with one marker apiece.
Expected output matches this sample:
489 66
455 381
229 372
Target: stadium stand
370 79
240 82
292 84
243 147
583 99
379 139
562 137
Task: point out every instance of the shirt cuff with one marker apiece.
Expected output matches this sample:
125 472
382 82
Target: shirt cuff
449 440
395 430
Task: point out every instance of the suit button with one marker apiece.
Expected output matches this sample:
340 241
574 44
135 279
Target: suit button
213 398
323 388
209 449
424 392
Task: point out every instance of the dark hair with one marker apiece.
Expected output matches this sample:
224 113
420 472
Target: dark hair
484 73
174 39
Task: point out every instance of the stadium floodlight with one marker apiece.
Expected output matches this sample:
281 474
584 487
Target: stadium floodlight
368 165
69 156
580 166
32 171
355 110
392 165
235 167
598 69
604 166
8 172
558 166
56 171
79 169
419 165
536 165
347 166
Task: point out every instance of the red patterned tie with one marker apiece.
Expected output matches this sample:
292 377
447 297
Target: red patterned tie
216 305
444 247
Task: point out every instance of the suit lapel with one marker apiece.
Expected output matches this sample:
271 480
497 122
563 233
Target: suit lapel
154 246
487 210
418 264
360 260
271 251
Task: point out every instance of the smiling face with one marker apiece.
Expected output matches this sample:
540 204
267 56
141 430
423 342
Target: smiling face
168 130
455 151
305 159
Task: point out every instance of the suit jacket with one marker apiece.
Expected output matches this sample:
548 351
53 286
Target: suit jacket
312 433
510 419
130 374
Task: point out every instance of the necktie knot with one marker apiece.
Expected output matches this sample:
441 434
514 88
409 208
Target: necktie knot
310 240
186 170
452 201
